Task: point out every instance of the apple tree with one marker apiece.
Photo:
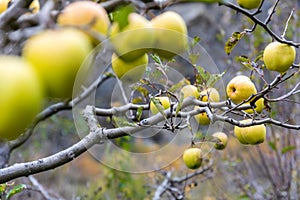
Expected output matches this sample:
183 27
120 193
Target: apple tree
144 96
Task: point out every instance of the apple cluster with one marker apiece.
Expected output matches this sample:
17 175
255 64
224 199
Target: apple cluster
165 35
52 57
48 66
193 156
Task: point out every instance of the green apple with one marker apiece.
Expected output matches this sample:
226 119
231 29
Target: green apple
249 4
57 56
259 106
210 94
255 134
222 140
279 57
134 40
202 118
131 71
21 96
171 36
192 158
86 14
189 91
240 88
163 101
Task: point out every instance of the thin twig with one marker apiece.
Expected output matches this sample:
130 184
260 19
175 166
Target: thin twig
41 189
287 23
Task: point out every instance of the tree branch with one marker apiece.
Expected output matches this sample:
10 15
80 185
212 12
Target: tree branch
264 25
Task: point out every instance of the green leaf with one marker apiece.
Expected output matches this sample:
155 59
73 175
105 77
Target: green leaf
158 105
122 121
179 104
287 149
202 76
195 41
213 79
139 113
194 57
272 145
15 190
244 60
3 187
156 58
232 41
121 15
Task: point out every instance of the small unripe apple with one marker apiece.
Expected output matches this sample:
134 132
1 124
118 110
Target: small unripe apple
192 158
163 101
210 94
249 4
190 91
171 37
240 88
21 96
57 55
259 106
88 14
202 118
279 57
134 39
222 140
129 72
255 134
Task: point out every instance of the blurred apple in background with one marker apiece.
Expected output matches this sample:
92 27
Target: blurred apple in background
21 96
57 56
89 15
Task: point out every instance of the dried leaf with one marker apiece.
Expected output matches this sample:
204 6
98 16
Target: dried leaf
232 41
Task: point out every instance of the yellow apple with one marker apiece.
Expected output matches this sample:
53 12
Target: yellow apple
259 106
202 118
249 4
88 14
134 39
222 140
4 5
57 56
129 72
210 94
240 88
250 135
163 101
21 96
171 37
34 6
192 158
279 57
189 91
